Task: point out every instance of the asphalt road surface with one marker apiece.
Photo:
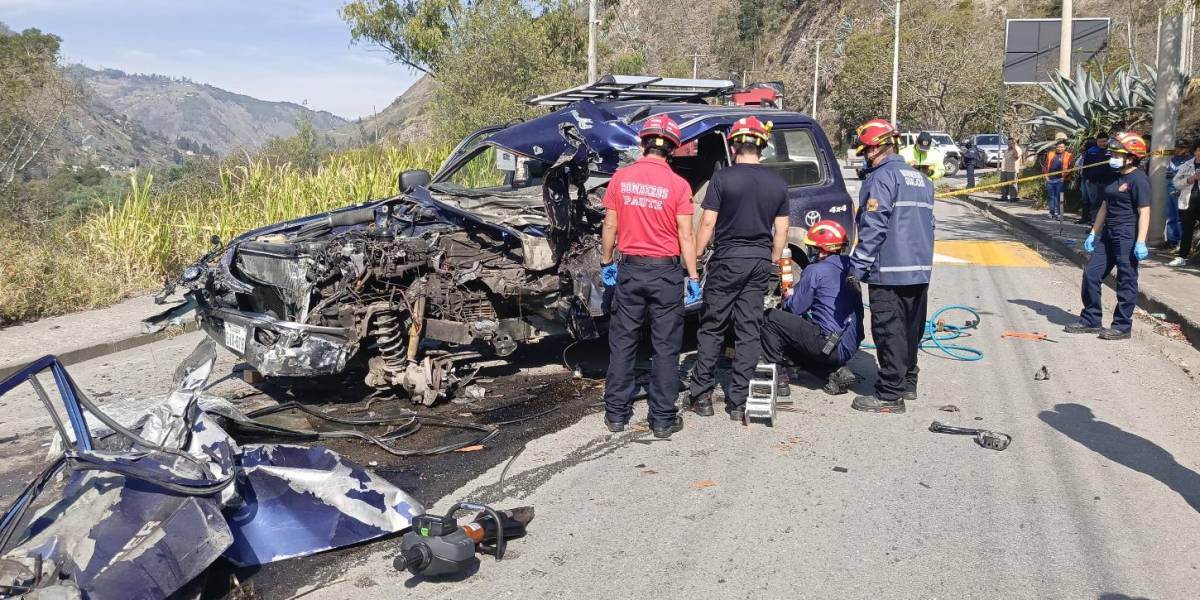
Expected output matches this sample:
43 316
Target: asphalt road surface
1097 497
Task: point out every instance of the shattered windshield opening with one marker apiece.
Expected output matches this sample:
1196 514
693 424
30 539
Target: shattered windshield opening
491 169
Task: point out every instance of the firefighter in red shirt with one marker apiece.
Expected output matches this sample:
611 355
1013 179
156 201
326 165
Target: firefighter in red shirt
649 219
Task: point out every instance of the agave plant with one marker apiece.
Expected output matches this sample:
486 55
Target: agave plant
1096 103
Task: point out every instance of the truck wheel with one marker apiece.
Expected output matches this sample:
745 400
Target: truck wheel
951 167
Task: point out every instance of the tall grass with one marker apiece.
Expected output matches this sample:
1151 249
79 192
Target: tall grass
135 244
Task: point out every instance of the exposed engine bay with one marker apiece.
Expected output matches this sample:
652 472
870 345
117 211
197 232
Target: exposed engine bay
418 285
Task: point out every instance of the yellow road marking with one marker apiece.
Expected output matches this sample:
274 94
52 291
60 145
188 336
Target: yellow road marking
986 253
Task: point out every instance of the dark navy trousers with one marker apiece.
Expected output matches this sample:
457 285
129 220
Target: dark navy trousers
734 290
644 293
1114 250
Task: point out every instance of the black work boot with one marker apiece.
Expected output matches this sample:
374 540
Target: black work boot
1112 334
665 432
1079 327
909 395
874 404
737 414
783 382
702 404
839 381
614 426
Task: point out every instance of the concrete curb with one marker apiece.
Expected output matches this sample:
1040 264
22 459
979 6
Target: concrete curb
110 347
1147 300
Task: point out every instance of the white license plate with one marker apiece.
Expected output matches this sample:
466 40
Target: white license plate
235 337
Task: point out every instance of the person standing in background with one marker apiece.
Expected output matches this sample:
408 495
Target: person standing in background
1010 165
1057 168
1187 181
1174 231
969 160
1094 177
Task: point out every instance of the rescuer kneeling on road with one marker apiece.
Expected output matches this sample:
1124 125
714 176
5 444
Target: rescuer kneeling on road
744 203
894 257
821 324
1122 222
649 218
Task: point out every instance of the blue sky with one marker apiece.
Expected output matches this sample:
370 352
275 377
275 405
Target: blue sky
296 50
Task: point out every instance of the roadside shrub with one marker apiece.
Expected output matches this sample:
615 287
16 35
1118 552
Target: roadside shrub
135 244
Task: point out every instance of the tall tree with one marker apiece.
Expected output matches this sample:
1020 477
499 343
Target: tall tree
487 55
34 96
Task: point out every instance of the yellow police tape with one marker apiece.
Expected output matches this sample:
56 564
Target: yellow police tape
979 188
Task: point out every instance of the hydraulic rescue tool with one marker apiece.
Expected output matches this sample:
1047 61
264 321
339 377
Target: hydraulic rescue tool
438 546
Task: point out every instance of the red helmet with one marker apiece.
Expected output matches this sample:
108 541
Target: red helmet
1128 142
749 129
875 132
661 127
827 235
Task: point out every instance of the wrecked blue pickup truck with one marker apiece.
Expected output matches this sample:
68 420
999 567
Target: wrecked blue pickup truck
498 248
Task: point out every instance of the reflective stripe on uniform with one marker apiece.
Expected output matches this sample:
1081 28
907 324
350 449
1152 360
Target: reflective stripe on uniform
861 256
928 205
911 268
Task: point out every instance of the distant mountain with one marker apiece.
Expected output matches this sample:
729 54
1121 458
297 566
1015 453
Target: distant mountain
405 120
195 116
92 133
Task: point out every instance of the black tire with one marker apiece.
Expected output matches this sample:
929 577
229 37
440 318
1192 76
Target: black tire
951 165
862 173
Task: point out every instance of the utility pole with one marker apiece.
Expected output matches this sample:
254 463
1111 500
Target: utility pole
1169 94
696 64
1064 39
895 63
592 74
816 78
816 72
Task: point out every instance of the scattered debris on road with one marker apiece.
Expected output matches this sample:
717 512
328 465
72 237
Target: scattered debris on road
948 408
841 470
992 440
1042 374
703 484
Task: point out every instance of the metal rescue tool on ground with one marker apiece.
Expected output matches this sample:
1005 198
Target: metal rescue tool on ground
992 440
438 545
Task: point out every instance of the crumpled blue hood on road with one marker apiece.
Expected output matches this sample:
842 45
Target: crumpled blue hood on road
145 518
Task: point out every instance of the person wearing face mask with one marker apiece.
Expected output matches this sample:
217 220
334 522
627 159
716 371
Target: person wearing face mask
1121 225
1187 183
820 325
894 256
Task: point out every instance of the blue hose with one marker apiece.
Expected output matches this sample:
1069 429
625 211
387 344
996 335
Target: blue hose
936 339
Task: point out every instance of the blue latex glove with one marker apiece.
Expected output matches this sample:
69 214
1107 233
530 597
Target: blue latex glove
693 293
608 274
1140 251
1089 243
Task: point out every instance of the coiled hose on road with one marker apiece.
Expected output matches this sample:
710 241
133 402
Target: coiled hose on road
938 334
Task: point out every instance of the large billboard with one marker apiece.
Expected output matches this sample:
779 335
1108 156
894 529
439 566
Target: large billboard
1031 47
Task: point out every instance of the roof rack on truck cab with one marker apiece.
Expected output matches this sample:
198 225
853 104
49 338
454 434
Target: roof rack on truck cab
636 87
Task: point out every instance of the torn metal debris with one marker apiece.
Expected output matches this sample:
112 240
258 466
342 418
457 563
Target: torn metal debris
992 440
148 508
